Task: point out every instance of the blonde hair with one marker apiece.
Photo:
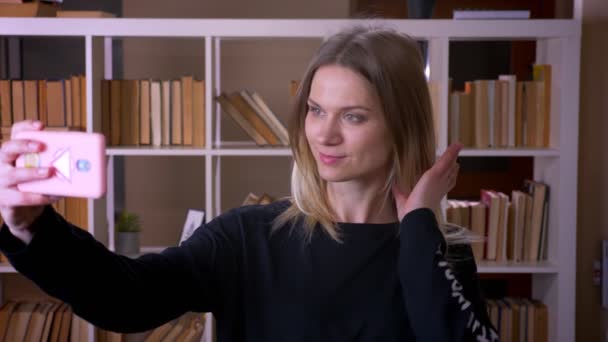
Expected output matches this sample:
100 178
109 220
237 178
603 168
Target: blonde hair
393 64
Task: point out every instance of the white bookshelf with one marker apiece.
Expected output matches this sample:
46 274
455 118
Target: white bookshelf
542 267
504 152
558 43
165 151
6 268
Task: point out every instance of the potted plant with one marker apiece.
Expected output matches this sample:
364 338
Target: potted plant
128 228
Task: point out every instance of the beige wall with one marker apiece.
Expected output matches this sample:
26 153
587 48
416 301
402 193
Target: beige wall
591 322
162 189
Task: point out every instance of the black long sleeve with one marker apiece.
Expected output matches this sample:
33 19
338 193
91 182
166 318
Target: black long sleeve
115 292
443 303
375 285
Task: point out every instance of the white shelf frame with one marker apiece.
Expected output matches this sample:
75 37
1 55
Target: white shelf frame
284 28
558 43
482 267
243 149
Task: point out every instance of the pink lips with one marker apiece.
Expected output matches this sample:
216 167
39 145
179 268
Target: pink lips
329 160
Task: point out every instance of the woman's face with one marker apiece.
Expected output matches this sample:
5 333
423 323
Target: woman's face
345 127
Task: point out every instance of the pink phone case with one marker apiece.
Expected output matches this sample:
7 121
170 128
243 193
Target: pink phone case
78 159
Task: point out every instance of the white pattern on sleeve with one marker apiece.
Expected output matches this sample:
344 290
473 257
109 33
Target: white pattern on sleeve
481 332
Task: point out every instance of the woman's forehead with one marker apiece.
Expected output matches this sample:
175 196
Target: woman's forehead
340 85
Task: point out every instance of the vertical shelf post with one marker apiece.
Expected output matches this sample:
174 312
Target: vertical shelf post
96 65
217 86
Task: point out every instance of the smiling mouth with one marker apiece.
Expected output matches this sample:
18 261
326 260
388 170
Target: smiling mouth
329 159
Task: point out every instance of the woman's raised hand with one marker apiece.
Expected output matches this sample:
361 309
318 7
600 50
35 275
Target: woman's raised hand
19 209
432 186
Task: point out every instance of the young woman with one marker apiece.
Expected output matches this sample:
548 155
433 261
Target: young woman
355 254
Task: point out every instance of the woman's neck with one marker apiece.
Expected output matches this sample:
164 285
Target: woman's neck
357 203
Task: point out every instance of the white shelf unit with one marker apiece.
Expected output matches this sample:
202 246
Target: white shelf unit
558 43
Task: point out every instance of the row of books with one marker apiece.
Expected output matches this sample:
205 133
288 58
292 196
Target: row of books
505 112
44 8
55 321
515 319
515 229
5 132
519 319
153 112
187 328
488 113
40 321
73 209
250 112
57 103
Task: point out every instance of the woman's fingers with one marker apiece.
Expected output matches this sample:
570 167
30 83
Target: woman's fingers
26 125
16 198
453 176
454 168
11 149
448 158
21 175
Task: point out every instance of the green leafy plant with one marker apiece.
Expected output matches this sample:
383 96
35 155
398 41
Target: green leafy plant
128 223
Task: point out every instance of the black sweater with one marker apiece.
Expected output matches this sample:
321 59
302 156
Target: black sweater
385 282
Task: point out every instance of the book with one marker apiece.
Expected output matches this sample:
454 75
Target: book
270 119
84 14
194 219
254 118
461 14
27 9
251 199
229 109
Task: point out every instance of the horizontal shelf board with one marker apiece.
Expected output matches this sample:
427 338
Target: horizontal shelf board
508 152
7 268
248 148
268 151
516 267
482 267
156 151
243 28
245 149
185 151
235 144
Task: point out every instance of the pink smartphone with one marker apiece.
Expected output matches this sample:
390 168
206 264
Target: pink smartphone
78 159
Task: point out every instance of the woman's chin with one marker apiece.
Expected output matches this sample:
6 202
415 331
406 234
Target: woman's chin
334 177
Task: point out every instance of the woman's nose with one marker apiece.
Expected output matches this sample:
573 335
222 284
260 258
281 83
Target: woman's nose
329 131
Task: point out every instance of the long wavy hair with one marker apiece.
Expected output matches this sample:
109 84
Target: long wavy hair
392 63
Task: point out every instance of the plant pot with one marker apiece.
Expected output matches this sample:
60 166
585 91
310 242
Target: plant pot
127 243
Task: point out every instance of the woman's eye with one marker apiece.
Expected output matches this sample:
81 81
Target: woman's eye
354 118
314 110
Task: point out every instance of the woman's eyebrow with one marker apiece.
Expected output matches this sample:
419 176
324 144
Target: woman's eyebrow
342 108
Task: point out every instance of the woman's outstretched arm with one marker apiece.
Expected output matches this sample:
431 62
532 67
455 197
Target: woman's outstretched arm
118 293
